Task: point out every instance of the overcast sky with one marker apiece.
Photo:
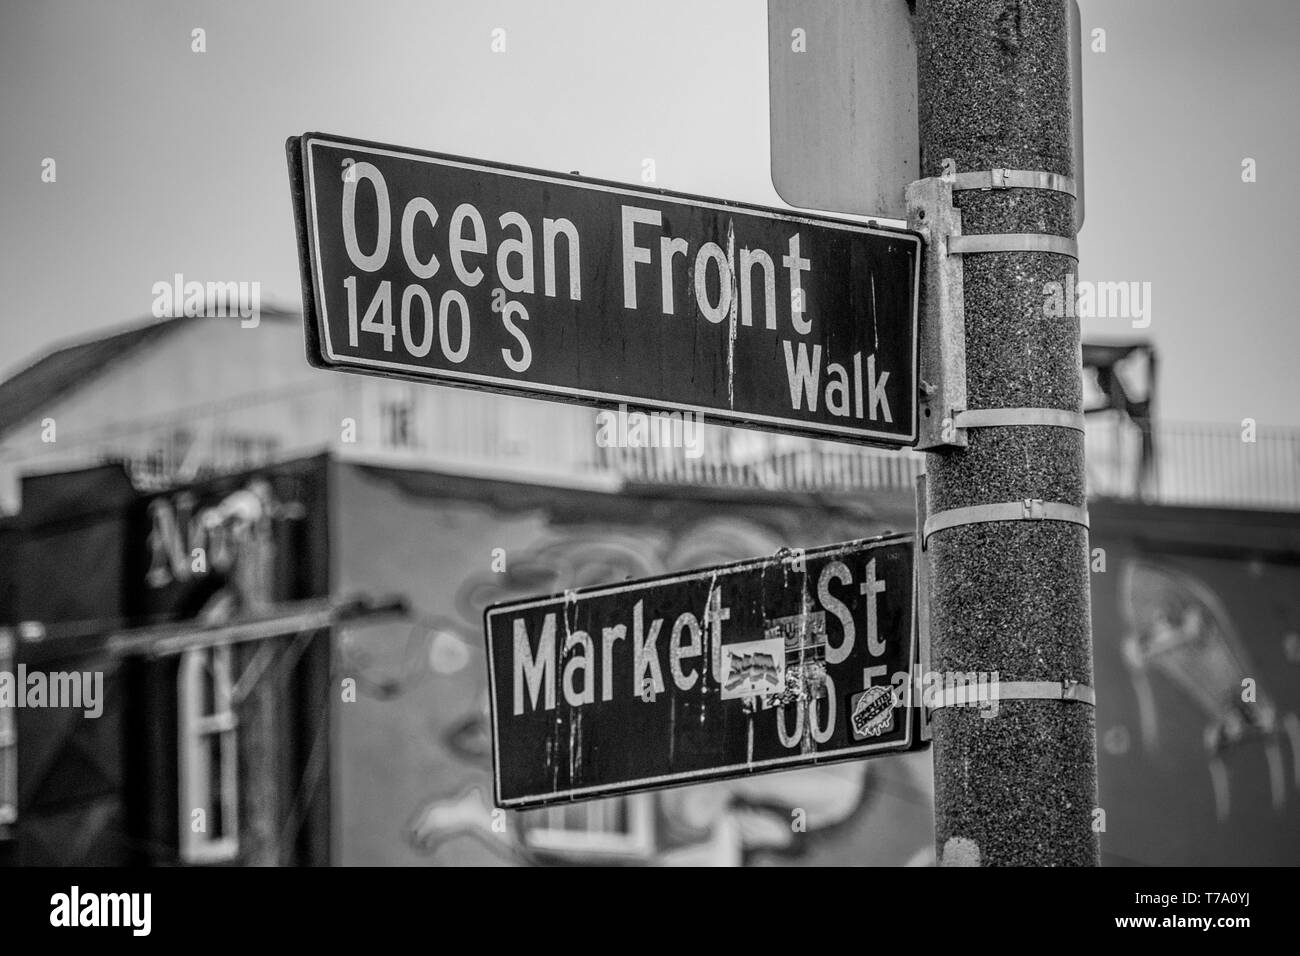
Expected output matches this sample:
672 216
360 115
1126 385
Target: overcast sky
170 161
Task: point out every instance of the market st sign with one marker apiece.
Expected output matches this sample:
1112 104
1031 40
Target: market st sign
769 664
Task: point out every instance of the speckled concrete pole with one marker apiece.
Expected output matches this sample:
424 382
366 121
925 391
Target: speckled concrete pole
1012 597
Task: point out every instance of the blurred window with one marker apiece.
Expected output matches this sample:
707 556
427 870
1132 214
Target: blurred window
8 739
209 782
398 418
622 826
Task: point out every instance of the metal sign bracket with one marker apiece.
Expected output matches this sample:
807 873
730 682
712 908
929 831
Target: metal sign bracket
1016 690
942 377
1002 417
984 179
1013 242
921 564
1027 509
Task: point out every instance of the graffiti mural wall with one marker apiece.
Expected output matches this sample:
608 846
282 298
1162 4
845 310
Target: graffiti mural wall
413 761
1196 624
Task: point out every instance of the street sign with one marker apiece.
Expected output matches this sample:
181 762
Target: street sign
843 104
768 664
470 273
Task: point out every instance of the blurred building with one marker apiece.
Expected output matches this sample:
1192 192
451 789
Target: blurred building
207 738
314 684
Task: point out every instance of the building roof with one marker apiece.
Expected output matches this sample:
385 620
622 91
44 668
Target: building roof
68 367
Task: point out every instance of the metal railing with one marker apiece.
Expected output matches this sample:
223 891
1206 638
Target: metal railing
1219 464
473 432
1195 464
745 460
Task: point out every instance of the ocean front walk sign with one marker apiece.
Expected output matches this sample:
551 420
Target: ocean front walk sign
477 274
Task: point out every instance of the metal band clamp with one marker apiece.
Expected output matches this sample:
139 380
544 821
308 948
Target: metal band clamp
1027 509
999 417
1013 242
1015 179
974 695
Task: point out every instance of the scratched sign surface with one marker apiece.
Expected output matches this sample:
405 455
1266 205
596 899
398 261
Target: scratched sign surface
471 273
761 665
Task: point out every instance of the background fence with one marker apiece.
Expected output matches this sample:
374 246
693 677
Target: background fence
477 433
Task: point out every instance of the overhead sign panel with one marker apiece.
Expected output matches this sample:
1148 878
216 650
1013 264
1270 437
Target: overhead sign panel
768 664
470 273
843 104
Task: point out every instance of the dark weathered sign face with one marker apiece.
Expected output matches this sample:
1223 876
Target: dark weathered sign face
471 273
768 664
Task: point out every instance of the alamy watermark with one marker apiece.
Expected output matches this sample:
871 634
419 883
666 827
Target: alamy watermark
633 429
133 911
79 690
933 689
1083 299
213 300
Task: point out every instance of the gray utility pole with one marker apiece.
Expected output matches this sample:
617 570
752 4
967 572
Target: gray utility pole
1005 513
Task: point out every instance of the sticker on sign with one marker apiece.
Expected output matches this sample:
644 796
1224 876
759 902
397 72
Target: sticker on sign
477 274
768 664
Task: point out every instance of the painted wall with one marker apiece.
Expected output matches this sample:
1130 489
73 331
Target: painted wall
1190 603
1196 629
412 760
